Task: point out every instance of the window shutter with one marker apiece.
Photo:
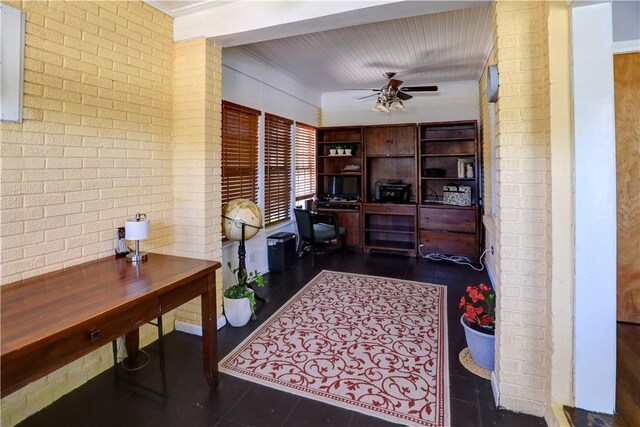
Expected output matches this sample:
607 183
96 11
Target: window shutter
239 152
305 160
277 169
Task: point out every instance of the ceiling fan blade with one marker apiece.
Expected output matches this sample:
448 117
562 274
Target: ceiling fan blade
394 83
368 96
419 88
375 90
403 96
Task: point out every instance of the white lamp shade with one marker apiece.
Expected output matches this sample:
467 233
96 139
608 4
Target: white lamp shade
380 107
136 229
396 105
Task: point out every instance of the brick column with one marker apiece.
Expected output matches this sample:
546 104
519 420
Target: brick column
523 196
196 157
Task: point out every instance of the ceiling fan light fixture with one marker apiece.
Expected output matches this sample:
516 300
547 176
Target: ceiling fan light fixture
380 107
397 105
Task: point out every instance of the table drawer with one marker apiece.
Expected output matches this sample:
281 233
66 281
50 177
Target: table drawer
31 362
460 220
390 209
449 243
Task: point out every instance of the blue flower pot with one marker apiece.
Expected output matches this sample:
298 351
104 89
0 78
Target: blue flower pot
481 345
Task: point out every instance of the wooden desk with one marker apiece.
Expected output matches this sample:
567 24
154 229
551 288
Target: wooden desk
50 320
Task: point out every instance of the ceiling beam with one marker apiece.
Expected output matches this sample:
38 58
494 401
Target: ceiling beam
243 22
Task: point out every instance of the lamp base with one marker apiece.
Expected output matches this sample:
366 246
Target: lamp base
137 257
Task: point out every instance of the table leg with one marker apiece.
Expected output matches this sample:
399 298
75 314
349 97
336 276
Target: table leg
209 333
132 344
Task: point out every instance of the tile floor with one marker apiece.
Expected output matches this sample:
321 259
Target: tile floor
235 402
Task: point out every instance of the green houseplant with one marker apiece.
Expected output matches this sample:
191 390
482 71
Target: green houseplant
239 299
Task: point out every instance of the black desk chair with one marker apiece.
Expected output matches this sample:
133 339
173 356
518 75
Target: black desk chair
314 231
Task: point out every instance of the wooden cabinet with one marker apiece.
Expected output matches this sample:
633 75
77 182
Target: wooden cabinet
449 156
389 227
390 153
426 157
449 230
340 176
391 140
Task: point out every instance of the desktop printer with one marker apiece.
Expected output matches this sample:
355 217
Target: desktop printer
388 191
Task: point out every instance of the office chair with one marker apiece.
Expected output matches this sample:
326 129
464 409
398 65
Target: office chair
314 233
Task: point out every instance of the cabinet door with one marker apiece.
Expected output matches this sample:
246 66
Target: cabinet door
351 223
391 141
403 141
377 141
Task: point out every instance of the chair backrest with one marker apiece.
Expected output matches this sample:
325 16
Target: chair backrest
304 222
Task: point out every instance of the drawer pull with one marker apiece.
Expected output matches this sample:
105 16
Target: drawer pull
94 335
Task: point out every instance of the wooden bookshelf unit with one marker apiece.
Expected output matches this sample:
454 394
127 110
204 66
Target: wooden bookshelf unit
426 157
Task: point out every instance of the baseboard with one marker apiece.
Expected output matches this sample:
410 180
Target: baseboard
560 416
627 46
494 388
192 329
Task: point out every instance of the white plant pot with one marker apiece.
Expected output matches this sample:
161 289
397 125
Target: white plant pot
347 151
340 151
237 311
332 151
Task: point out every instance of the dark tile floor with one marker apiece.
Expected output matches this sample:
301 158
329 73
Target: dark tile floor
236 402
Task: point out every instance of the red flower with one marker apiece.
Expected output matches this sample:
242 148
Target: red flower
486 320
479 305
475 295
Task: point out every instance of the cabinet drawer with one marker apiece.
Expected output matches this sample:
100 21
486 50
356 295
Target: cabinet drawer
449 243
21 366
390 209
460 220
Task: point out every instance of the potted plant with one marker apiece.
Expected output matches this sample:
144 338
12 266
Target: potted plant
239 299
332 150
348 149
340 149
478 321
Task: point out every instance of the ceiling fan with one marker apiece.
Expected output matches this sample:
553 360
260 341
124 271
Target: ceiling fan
391 96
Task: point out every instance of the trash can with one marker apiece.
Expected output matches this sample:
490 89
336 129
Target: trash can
282 251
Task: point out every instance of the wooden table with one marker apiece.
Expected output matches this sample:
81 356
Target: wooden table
51 320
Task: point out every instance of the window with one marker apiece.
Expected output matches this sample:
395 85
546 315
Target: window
305 161
239 152
277 169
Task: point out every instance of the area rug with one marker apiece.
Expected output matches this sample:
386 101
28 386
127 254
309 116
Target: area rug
370 344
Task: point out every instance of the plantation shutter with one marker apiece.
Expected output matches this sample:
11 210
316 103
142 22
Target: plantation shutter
277 169
305 161
239 152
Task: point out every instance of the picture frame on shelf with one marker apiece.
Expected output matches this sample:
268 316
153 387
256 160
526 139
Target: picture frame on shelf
466 168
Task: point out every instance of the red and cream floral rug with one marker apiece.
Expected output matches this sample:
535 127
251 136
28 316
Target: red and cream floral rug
369 344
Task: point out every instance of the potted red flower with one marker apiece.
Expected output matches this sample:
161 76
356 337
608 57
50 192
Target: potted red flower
478 320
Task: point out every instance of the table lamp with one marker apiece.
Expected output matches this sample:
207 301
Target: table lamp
137 229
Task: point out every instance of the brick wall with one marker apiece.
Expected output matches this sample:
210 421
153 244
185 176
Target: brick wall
523 197
95 147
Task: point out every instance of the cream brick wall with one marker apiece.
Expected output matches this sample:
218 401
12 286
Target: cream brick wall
95 147
523 198
197 156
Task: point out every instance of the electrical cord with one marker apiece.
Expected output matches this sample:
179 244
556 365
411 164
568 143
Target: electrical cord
462 260
121 358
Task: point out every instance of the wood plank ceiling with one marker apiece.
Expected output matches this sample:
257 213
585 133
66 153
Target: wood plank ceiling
441 47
